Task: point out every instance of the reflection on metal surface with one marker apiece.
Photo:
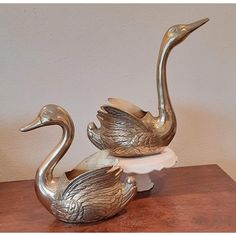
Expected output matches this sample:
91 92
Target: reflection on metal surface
126 130
90 192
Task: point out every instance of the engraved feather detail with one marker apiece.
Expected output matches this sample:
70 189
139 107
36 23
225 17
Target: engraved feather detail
93 196
125 132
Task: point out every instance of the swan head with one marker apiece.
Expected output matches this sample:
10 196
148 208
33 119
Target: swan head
49 115
177 33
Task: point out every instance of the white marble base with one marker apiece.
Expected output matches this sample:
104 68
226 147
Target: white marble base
140 167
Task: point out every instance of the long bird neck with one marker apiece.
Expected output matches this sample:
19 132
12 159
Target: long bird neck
166 111
45 183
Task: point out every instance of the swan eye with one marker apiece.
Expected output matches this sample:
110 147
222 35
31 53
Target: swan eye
173 30
46 114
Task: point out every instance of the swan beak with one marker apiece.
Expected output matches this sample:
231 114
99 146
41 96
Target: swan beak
36 123
193 26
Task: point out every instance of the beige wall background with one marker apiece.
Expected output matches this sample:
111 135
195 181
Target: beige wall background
78 55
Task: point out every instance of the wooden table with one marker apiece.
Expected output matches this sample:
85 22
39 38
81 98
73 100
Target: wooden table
199 198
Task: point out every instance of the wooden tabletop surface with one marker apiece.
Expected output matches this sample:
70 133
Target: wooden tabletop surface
199 198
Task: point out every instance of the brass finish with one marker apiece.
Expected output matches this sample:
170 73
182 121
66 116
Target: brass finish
92 191
126 130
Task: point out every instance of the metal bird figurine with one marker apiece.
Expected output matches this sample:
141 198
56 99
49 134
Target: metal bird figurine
92 191
126 130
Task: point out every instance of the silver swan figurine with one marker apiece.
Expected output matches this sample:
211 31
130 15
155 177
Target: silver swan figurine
90 192
128 131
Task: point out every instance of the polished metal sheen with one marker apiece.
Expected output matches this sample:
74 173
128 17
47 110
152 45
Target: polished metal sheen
92 191
128 131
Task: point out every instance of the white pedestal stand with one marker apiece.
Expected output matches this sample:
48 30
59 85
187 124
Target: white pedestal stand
140 167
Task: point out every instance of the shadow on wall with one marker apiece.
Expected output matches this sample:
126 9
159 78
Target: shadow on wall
11 169
205 138
20 155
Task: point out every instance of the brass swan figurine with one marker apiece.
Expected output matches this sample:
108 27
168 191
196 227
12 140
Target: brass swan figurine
126 130
92 191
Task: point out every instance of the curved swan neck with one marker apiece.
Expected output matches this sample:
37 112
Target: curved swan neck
45 183
164 103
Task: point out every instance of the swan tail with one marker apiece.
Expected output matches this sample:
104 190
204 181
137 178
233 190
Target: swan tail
130 190
94 135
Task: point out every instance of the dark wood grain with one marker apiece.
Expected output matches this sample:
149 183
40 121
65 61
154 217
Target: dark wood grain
199 198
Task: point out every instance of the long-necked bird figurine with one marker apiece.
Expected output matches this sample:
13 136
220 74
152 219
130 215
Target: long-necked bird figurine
92 191
128 131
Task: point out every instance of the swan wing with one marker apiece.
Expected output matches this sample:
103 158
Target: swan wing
98 192
127 106
100 178
97 160
120 127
